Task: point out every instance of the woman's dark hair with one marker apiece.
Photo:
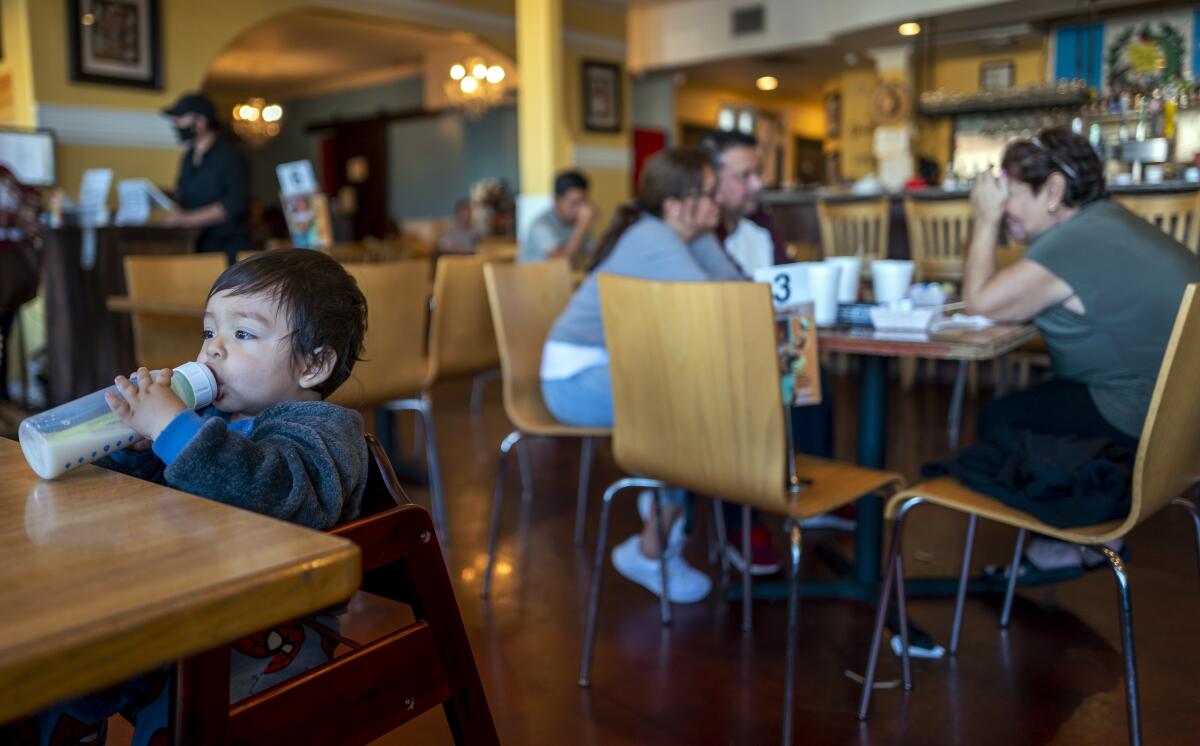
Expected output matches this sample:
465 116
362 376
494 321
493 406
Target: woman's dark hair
676 173
1058 149
318 297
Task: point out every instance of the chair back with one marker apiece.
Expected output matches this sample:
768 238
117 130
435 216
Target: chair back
938 234
393 366
167 341
696 387
1177 215
497 251
1168 458
461 337
526 299
854 228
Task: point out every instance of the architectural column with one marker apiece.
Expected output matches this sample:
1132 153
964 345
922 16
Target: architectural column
893 142
541 130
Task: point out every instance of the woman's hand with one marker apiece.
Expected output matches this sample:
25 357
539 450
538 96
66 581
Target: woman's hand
148 405
988 199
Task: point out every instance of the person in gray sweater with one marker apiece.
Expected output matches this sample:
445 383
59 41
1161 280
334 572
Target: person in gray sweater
666 235
282 330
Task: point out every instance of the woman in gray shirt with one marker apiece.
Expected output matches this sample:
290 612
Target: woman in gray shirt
666 235
1102 285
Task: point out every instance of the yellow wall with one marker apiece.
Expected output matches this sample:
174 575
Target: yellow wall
16 69
805 118
856 142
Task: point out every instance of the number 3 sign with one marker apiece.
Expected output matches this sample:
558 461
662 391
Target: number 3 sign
789 283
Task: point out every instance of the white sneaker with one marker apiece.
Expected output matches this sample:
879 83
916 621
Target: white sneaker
687 584
676 539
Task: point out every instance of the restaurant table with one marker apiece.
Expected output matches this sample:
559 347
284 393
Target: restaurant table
104 577
861 579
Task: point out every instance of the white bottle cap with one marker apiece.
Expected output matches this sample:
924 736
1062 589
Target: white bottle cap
202 380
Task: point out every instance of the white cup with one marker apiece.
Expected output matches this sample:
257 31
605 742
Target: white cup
850 267
823 284
891 279
1192 174
1154 174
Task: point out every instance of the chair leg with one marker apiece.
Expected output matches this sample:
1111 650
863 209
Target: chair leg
664 598
589 637
1126 611
885 597
1192 510
954 418
477 384
718 513
746 590
526 470
1014 569
506 445
963 576
908 373
441 523
797 537
902 611
586 451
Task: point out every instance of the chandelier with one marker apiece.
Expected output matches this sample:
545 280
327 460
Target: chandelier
476 86
256 121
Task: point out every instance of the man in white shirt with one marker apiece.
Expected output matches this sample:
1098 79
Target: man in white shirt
739 182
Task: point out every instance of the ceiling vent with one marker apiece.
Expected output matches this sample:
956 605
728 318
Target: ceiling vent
751 19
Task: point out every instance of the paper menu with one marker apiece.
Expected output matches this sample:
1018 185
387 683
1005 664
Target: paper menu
136 196
93 196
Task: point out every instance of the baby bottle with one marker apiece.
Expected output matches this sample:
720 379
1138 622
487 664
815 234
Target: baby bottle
81 431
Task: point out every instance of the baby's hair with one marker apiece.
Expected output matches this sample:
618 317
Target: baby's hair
321 301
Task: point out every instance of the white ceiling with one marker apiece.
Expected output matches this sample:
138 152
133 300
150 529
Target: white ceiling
314 50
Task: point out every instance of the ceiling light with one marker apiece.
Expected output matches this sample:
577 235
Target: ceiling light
495 74
912 28
479 71
458 72
272 113
469 85
255 121
767 83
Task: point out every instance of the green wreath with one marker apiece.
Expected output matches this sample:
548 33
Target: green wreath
1168 39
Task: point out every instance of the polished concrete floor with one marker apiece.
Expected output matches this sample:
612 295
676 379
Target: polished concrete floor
1053 677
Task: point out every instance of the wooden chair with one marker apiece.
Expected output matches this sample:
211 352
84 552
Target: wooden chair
698 405
462 340
526 299
497 251
938 234
393 372
1178 215
161 340
854 228
1164 470
377 686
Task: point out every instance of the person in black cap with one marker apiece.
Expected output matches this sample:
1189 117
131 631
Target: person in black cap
213 190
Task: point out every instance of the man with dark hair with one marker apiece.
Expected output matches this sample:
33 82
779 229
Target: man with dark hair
459 237
213 190
563 229
739 182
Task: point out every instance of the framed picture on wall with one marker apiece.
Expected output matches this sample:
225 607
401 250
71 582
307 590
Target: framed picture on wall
601 94
117 42
995 76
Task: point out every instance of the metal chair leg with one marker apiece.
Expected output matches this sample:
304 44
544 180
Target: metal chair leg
963 576
1126 610
746 600
442 523
954 418
477 384
526 470
586 450
718 514
664 598
796 536
506 445
902 611
1014 569
1194 512
589 637
885 597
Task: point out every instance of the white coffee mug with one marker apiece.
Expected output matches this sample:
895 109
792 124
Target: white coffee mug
891 278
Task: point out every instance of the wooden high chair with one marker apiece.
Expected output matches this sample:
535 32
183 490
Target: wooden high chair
938 234
698 405
1165 469
526 299
1177 215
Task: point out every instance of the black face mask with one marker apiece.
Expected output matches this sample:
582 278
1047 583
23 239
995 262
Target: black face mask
186 134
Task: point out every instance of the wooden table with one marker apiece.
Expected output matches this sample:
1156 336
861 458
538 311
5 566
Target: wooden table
104 577
959 344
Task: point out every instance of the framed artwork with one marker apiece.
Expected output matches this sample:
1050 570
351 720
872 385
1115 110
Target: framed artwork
833 115
117 42
995 76
601 96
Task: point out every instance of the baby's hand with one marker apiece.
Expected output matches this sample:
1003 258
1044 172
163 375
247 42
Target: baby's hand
148 405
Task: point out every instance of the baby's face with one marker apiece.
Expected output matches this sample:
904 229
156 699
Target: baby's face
247 344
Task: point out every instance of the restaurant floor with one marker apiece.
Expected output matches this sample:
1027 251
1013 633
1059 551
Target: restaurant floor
1054 677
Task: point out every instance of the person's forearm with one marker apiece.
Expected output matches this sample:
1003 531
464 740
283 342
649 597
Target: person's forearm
575 242
202 217
980 265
